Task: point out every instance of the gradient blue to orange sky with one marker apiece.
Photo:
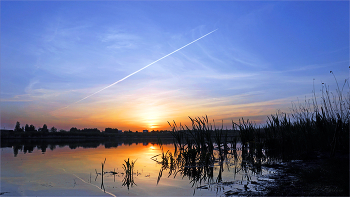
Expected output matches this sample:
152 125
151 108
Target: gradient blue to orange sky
263 56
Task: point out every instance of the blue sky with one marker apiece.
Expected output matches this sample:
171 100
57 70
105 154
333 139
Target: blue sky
263 56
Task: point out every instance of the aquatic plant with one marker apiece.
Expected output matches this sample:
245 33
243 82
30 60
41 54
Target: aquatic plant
200 149
102 173
319 124
128 168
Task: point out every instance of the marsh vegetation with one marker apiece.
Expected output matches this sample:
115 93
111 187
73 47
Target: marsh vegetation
304 152
316 129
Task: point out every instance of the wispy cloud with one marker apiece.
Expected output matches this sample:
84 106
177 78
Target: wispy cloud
315 66
17 98
250 67
120 40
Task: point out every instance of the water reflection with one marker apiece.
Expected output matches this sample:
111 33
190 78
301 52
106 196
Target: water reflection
200 153
27 146
165 166
128 168
199 168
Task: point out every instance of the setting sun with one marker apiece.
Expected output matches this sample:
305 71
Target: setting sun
174 98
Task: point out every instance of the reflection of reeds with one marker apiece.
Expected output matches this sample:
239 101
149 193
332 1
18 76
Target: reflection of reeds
197 150
316 125
129 173
188 163
102 173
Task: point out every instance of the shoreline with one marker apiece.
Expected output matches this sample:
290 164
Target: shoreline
318 175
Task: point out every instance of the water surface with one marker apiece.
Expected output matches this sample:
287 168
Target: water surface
76 171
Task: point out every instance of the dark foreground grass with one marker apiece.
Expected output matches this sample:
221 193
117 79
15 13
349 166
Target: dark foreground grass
320 124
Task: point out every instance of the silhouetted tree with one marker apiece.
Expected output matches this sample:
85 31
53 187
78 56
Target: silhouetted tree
95 130
44 129
26 128
18 127
73 129
29 129
110 130
53 130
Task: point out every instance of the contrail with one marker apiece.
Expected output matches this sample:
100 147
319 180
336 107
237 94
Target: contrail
140 69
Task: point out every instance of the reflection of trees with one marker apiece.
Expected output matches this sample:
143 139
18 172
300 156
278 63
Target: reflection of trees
43 147
16 148
28 148
28 145
52 146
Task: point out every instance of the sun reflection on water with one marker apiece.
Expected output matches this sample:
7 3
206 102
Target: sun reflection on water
152 148
157 169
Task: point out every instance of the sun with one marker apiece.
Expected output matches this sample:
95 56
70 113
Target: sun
151 119
149 116
154 126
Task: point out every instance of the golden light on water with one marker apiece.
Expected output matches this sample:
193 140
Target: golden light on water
152 147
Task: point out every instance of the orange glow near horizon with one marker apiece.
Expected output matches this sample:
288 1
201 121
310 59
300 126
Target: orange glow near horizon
149 113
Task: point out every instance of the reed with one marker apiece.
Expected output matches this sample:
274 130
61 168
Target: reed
191 163
197 150
128 168
102 173
318 124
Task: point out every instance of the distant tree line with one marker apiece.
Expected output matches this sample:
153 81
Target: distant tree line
31 128
44 129
29 131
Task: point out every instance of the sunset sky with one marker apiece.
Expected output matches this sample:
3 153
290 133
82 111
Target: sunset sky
263 56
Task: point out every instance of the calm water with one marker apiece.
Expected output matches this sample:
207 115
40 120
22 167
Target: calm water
62 171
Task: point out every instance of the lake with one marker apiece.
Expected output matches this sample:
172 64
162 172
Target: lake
76 170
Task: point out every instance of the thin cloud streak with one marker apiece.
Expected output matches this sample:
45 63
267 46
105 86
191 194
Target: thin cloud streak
140 69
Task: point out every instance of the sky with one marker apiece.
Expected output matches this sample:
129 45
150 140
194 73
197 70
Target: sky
263 56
